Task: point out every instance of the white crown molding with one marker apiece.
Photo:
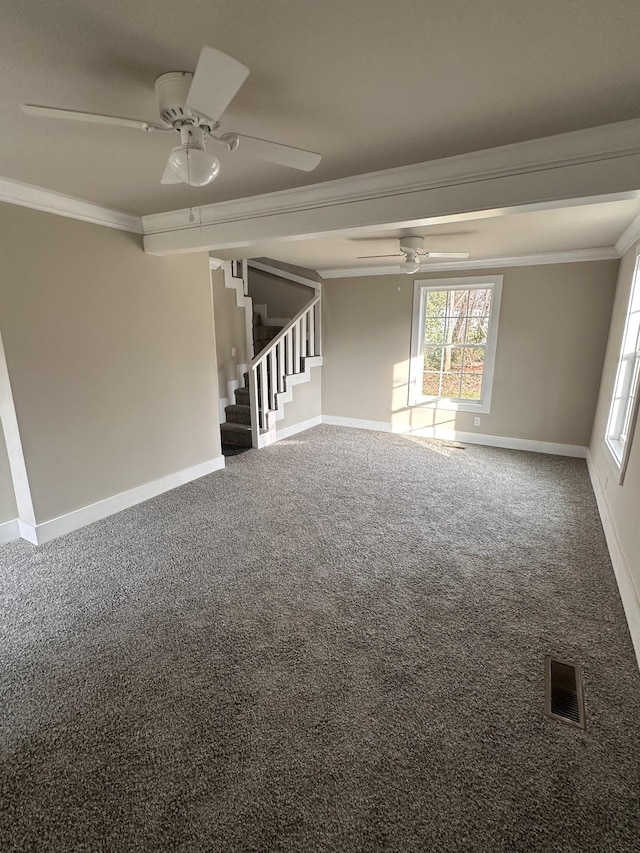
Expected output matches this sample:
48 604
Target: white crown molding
573 256
629 236
566 149
26 195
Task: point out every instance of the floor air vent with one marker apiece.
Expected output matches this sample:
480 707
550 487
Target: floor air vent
563 692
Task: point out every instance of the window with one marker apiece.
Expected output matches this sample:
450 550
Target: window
624 405
453 345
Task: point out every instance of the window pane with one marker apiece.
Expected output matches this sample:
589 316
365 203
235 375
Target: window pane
431 384
480 302
435 330
458 303
626 423
451 385
436 303
474 359
477 330
457 330
471 386
432 358
453 357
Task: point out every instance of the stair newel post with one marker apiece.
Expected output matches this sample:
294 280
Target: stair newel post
255 411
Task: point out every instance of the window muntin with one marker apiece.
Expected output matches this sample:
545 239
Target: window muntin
624 404
453 342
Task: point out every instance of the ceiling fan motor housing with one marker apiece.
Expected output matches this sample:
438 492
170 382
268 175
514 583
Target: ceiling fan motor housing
171 92
411 244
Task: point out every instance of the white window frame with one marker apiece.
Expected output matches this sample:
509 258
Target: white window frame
623 411
420 289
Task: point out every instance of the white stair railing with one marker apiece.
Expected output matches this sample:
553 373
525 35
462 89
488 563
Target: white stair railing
283 356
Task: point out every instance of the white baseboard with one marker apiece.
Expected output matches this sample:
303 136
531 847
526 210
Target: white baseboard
356 423
48 530
296 428
9 530
506 442
628 593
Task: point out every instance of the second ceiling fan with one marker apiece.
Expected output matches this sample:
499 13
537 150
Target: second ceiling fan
411 250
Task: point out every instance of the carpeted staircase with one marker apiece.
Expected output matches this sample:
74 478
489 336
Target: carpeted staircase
236 431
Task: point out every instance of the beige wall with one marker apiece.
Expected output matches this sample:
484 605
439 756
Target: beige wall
230 325
8 509
306 402
553 329
111 358
623 501
282 297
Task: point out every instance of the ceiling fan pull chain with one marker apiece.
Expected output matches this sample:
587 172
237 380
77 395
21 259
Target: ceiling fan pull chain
191 216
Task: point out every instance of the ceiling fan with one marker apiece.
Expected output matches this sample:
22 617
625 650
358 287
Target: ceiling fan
411 250
192 105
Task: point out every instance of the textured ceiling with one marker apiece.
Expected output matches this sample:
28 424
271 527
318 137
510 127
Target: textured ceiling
370 84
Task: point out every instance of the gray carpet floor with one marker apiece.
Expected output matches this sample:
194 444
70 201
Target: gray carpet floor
335 644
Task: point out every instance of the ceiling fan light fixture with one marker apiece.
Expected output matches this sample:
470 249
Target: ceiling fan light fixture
194 165
410 265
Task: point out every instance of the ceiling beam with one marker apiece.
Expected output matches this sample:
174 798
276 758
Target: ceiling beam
582 167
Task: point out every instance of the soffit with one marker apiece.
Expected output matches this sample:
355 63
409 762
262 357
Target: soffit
370 84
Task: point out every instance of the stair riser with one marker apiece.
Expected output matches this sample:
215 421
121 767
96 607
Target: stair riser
242 397
237 439
238 414
235 434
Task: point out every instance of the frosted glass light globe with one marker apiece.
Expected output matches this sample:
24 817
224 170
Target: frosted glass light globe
194 165
410 265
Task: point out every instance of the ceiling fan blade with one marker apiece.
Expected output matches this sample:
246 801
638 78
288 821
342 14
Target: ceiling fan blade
169 176
93 118
274 152
444 254
366 257
217 79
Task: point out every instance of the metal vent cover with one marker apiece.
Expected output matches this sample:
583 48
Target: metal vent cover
564 698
